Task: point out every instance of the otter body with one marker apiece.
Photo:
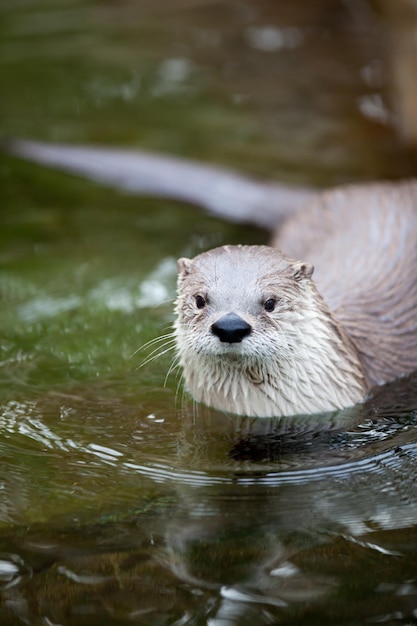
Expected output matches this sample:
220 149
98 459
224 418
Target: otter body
256 332
257 335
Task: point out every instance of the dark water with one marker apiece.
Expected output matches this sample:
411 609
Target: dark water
120 501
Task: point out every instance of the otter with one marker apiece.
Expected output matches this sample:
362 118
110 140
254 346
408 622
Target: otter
308 324
257 335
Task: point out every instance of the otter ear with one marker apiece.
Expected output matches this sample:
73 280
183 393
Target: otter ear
184 267
303 270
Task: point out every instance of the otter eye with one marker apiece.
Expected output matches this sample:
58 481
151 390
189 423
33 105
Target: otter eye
200 302
270 305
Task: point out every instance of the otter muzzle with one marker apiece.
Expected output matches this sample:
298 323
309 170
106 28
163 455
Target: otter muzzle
231 328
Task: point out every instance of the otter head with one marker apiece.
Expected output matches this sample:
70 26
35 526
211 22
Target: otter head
249 329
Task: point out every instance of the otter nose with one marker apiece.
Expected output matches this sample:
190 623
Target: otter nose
231 328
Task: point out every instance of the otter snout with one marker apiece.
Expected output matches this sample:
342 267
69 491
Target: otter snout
231 328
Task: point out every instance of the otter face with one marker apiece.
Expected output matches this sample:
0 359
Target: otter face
254 336
236 301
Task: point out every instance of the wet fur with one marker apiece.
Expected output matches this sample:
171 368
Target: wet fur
297 359
330 339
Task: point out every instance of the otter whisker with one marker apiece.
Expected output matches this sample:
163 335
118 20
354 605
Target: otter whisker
174 365
157 353
151 342
169 338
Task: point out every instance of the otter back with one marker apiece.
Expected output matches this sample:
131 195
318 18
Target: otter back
363 243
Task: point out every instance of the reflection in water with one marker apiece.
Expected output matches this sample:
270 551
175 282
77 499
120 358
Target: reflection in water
223 539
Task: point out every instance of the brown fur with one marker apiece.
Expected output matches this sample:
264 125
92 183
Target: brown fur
362 241
353 327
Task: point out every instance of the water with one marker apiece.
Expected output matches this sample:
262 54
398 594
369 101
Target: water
120 501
